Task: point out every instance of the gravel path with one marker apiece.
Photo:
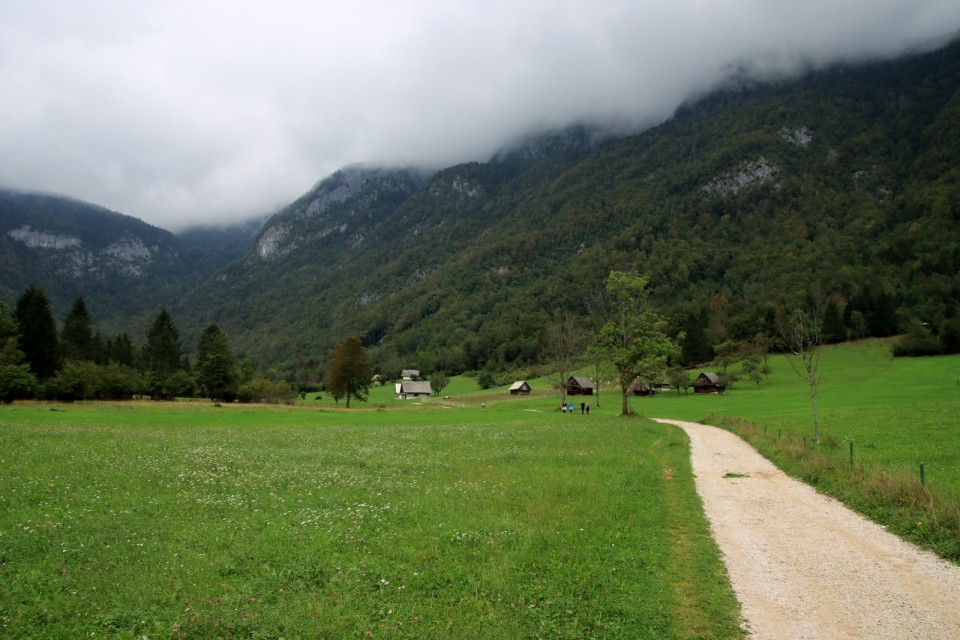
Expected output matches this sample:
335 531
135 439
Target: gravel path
803 565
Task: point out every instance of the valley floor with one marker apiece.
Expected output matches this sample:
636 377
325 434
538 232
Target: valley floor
803 565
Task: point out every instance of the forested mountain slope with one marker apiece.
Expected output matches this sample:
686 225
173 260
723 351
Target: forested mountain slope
841 186
124 268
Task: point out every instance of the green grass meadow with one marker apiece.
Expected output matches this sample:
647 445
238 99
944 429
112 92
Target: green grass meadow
437 518
187 520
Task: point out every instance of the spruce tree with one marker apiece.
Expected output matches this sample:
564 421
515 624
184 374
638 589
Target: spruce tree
76 337
216 367
163 351
37 337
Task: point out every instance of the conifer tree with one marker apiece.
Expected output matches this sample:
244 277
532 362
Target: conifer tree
76 337
216 367
163 351
37 337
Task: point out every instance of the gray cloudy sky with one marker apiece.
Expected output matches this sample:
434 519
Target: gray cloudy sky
186 111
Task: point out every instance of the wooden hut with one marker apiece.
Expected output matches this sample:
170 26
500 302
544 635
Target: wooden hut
520 388
640 387
708 382
580 386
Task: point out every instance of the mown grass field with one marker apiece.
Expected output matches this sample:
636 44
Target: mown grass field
188 520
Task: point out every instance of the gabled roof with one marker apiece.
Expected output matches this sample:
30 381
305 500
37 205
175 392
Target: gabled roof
709 376
416 386
410 373
519 384
582 382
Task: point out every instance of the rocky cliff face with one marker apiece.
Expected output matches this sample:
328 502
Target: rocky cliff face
70 257
338 208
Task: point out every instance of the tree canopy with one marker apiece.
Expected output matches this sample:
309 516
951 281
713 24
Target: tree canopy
634 336
348 373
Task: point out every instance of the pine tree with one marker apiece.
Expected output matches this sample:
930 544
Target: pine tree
163 351
37 333
76 337
348 371
165 378
216 367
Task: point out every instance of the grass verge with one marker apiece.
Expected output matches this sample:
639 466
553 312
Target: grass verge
926 515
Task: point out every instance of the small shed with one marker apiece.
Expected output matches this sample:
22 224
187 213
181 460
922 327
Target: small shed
520 388
580 386
413 389
410 374
641 387
708 382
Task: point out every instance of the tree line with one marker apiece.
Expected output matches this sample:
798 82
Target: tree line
78 363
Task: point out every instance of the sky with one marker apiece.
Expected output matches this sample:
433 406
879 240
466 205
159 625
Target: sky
186 112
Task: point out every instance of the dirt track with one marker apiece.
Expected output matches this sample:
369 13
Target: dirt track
805 566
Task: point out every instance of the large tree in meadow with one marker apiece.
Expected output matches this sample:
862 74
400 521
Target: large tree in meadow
37 338
633 336
348 372
216 368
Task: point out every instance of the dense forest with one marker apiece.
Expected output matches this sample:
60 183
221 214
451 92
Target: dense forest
838 191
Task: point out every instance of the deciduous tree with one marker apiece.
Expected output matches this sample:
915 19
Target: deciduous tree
438 382
801 334
348 372
633 336
563 343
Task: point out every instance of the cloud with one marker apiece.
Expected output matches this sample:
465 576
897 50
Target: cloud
204 110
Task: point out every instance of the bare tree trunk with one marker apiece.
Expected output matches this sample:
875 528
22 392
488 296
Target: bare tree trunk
805 342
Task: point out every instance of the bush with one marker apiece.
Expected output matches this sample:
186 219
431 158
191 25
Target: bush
266 391
918 342
84 380
16 383
76 381
178 384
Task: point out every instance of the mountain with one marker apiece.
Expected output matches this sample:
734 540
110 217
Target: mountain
841 187
124 268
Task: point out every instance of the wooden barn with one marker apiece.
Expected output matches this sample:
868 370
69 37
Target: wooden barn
520 388
708 382
580 386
